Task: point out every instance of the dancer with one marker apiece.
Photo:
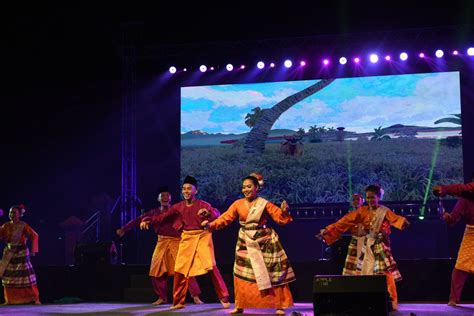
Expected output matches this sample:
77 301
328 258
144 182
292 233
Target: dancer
464 209
166 249
196 250
376 254
16 271
262 270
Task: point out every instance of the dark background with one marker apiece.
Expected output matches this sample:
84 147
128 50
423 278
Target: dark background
60 130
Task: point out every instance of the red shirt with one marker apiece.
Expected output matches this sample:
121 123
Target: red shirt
165 228
188 218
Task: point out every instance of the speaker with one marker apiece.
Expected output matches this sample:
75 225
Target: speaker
95 253
350 295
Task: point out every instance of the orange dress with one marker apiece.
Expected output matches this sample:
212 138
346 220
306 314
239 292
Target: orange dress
247 293
19 279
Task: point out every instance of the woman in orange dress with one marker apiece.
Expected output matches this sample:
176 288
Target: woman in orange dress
262 270
16 271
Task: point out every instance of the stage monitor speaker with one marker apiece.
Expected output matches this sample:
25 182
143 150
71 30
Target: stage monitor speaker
350 295
95 253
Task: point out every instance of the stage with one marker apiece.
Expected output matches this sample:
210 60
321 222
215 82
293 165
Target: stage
209 309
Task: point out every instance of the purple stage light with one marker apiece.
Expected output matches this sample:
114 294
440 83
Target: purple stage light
229 67
172 69
403 56
421 55
260 65
439 53
288 63
203 68
343 60
374 58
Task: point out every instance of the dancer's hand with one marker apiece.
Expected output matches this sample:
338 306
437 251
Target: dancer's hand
438 191
445 216
321 234
205 224
144 225
284 206
120 232
204 212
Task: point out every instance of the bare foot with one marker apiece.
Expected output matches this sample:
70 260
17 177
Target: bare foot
197 300
159 301
177 306
237 311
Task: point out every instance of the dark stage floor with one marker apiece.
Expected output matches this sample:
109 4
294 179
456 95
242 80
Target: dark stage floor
209 309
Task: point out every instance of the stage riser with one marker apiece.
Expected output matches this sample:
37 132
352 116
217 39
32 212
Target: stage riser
423 280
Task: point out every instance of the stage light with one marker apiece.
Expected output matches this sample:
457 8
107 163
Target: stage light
172 69
343 60
229 67
439 53
260 65
455 52
357 60
242 66
421 217
288 63
212 68
185 69
388 58
272 65
403 56
326 61
470 51
421 55
203 68
374 58
302 63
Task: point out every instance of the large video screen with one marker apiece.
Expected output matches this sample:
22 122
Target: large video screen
319 141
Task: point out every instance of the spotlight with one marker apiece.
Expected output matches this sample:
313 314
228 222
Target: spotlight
357 60
260 65
326 61
272 65
212 68
242 66
343 60
172 69
388 58
439 53
288 63
229 67
403 56
421 217
302 63
203 68
374 58
470 51
455 52
185 69
421 55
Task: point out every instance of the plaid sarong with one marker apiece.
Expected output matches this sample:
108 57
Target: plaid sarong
350 266
19 271
274 256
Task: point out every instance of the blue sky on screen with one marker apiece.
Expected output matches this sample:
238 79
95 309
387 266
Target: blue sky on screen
358 104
